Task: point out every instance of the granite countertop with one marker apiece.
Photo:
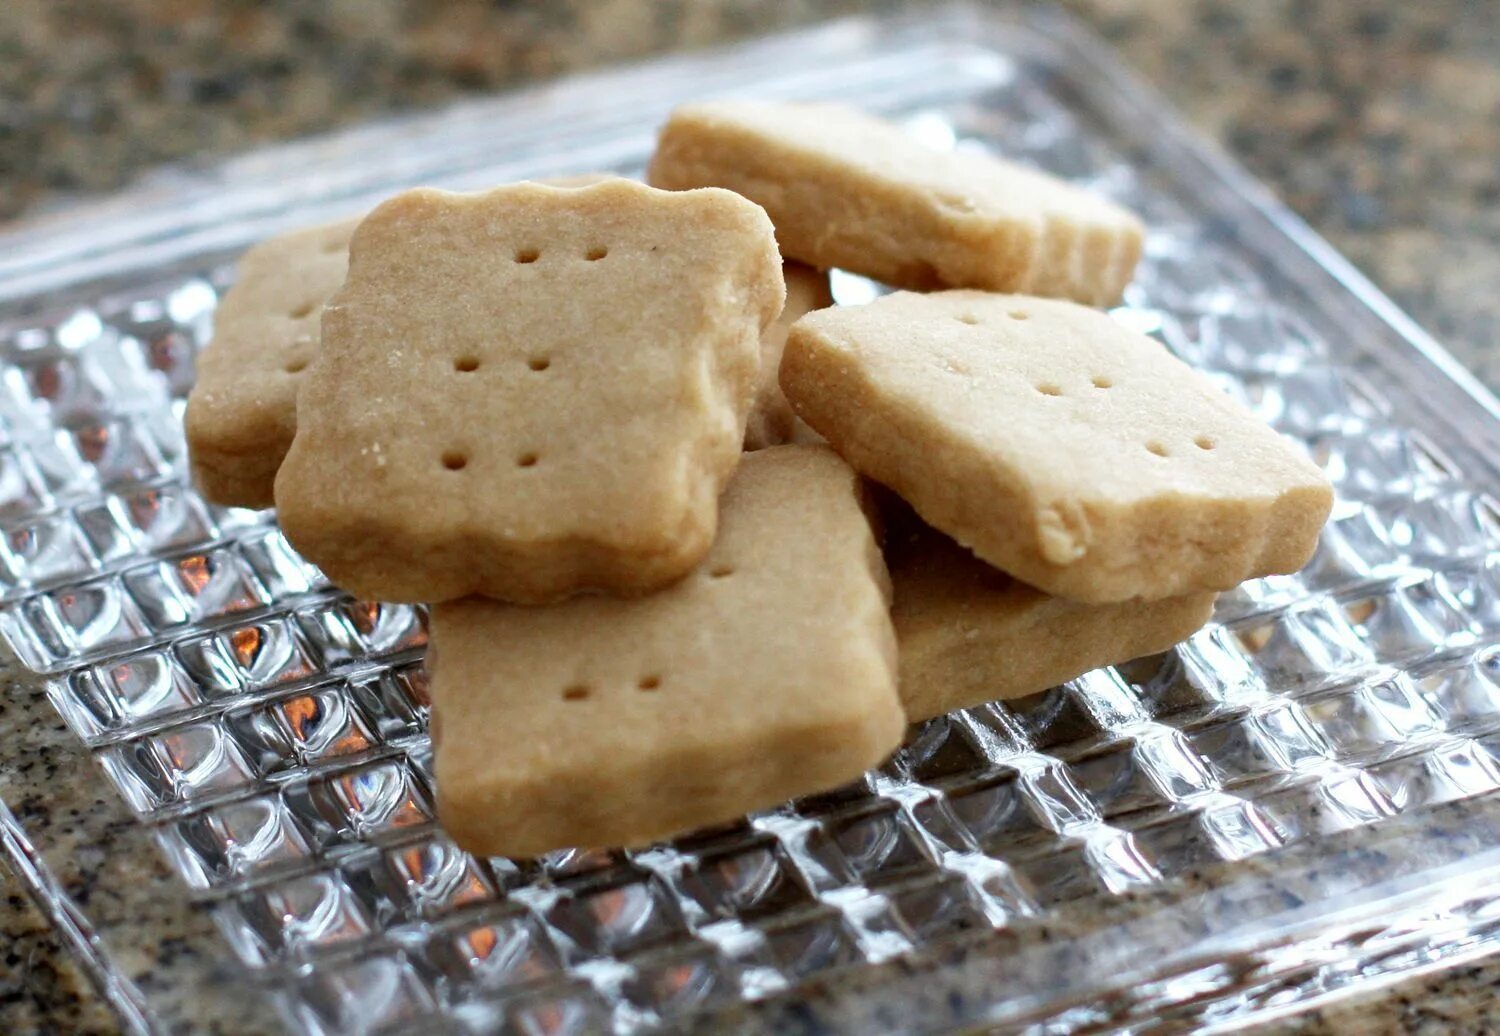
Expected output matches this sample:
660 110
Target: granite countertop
1379 122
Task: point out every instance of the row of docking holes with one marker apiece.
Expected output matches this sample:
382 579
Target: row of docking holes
466 364
531 255
583 692
523 256
651 681
1154 446
1099 381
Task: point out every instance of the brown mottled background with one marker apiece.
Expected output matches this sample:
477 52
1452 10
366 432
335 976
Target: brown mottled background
1378 121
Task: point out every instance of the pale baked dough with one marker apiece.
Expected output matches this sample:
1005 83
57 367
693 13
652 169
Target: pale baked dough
1071 452
849 190
242 412
530 392
766 674
967 633
771 419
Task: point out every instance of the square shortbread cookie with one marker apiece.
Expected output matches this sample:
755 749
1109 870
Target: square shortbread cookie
242 412
767 673
849 190
771 419
968 633
530 392
1071 452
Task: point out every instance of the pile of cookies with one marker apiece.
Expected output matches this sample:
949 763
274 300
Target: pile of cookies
695 541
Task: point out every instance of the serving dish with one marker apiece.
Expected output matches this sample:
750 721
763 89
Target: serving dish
214 767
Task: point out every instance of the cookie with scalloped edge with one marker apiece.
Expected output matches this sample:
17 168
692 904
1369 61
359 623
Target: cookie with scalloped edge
242 412
531 391
1067 450
848 190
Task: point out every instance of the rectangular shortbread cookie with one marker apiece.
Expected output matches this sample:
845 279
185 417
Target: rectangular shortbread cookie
530 392
766 674
967 633
771 419
1073 453
849 190
242 412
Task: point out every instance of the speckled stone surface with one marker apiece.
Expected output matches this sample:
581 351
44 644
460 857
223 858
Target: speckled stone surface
40 987
1379 122
1462 1000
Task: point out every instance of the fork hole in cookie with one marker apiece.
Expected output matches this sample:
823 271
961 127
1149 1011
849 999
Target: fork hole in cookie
527 255
295 366
539 363
596 253
1047 388
967 318
1204 442
527 460
1018 314
454 460
466 364
577 692
720 571
1100 381
649 683
1157 448
302 311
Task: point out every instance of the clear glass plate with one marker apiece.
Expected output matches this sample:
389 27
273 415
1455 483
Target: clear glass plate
216 770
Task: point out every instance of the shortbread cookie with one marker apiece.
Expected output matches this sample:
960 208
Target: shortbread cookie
968 633
1077 455
767 673
771 419
848 190
530 392
242 412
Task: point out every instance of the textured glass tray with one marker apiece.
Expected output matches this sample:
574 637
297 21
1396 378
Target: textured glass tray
216 770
